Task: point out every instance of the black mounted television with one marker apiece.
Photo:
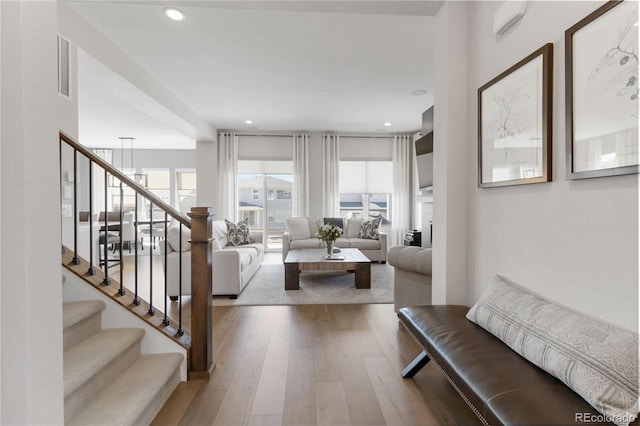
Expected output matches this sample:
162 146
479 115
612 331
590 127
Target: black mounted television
424 151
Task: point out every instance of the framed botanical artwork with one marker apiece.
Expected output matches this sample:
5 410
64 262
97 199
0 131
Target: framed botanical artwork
514 123
601 83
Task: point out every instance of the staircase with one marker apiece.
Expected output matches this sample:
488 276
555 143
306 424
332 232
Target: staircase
106 378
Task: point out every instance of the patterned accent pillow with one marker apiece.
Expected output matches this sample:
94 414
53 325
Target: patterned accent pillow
595 359
337 221
369 229
239 233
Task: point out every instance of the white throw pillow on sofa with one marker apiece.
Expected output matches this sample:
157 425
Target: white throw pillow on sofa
173 237
353 228
219 231
314 224
298 228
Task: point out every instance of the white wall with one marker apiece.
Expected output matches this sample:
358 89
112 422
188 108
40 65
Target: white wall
82 34
31 321
207 174
449 151
573 241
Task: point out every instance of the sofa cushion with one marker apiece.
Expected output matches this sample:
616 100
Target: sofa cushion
369 229
353 228
250 250
298 228
219 231
239 233
597 360
174 234
258 247
305 244
342 243
365 244
314 224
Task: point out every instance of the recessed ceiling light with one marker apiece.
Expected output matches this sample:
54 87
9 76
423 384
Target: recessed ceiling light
419 92
387 124
248 122
174 14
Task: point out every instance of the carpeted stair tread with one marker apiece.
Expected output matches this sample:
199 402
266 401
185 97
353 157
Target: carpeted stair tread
74 312
82 361
122 402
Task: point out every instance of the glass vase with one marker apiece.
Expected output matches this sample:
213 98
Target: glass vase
329 248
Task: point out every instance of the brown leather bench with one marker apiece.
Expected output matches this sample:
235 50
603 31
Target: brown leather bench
500 386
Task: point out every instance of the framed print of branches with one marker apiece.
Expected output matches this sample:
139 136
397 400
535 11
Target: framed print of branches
601 83
514 123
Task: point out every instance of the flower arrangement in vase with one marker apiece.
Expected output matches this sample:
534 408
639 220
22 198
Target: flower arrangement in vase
329 234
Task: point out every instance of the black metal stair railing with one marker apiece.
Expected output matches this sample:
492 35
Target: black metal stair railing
107 236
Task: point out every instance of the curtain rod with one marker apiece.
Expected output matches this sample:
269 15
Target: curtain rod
332 134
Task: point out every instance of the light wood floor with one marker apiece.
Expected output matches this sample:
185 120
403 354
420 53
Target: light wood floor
314 365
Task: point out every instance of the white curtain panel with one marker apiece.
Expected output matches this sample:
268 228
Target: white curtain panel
300 175
227 176
403 187
331 175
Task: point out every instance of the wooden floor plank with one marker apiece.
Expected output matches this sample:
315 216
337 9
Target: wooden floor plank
304 317
236 407
389 410
268 420
325 358
361 398
204 408
367 343
270 393
398 399
331 404
344 316
300 398
227 353
178 403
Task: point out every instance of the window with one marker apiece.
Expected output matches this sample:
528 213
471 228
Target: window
158 182
251 217
283 194
365 189
264 198
186 182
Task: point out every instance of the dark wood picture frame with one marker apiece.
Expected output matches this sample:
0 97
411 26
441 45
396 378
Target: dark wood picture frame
537 71
613 68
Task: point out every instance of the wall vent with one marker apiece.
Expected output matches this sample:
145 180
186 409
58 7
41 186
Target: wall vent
64 79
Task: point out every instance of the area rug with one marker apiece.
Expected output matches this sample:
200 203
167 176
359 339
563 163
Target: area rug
316 288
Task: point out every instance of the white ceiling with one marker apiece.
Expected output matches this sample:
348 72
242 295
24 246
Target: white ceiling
315 66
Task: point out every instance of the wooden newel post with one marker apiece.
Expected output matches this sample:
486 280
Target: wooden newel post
201 322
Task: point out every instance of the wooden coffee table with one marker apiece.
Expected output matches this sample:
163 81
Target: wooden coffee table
314 260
